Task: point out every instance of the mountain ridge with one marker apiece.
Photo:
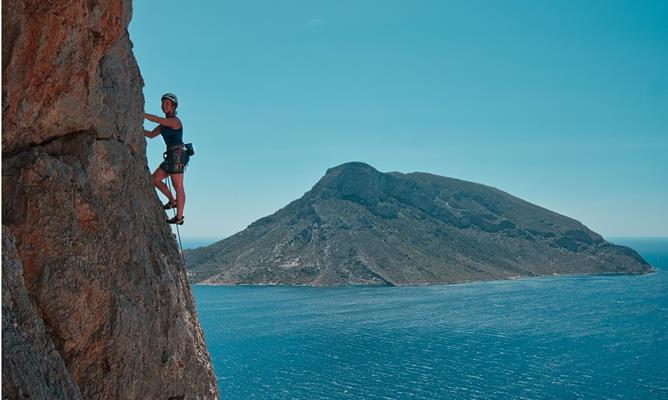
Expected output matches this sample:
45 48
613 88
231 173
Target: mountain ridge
360 226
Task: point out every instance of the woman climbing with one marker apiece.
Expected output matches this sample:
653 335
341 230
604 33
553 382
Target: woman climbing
175 157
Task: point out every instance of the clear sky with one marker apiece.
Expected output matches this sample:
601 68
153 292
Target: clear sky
561 103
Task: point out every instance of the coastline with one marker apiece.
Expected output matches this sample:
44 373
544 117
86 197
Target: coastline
512 278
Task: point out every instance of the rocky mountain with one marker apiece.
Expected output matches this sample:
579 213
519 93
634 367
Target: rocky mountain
95 298
360 226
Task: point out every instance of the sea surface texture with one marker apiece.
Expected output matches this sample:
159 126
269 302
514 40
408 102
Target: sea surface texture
566 337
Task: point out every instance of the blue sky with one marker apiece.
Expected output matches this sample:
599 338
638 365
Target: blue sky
563 104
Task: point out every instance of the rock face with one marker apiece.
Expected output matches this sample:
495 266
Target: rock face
361 226
28 353
96 302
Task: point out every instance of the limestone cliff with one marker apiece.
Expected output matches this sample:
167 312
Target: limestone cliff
96 303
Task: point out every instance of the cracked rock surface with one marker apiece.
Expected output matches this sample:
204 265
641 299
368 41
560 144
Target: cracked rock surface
96 302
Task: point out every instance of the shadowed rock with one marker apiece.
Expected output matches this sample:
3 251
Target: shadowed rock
98 303
31 365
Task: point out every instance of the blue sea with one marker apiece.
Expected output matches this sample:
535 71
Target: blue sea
569 337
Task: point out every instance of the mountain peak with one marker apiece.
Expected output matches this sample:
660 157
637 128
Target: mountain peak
351 166
352 179
361 226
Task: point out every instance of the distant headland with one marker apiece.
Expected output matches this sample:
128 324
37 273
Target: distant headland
359 226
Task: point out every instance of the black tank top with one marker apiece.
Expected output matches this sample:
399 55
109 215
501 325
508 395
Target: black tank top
172 137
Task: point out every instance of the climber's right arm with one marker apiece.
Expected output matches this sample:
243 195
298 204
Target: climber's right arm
151 134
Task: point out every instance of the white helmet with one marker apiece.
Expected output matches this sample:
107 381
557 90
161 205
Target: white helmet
171 97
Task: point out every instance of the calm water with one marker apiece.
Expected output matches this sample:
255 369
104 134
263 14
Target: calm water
541 338
195 242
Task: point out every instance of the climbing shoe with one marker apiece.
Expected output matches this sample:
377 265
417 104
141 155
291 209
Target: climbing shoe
169 205
175 220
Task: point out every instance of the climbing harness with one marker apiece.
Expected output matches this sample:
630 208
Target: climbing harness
178 233
176 159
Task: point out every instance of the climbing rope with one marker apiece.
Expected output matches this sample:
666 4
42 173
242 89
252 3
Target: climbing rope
178 233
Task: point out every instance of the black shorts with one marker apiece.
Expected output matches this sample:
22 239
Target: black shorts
176 160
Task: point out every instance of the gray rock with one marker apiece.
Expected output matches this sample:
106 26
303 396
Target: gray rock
31 365
100 265
360 226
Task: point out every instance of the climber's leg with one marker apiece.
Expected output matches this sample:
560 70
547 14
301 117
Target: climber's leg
177 181
158 177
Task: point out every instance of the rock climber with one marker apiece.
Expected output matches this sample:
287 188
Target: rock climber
175 158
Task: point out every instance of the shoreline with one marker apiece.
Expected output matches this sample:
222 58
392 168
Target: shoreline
511 278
